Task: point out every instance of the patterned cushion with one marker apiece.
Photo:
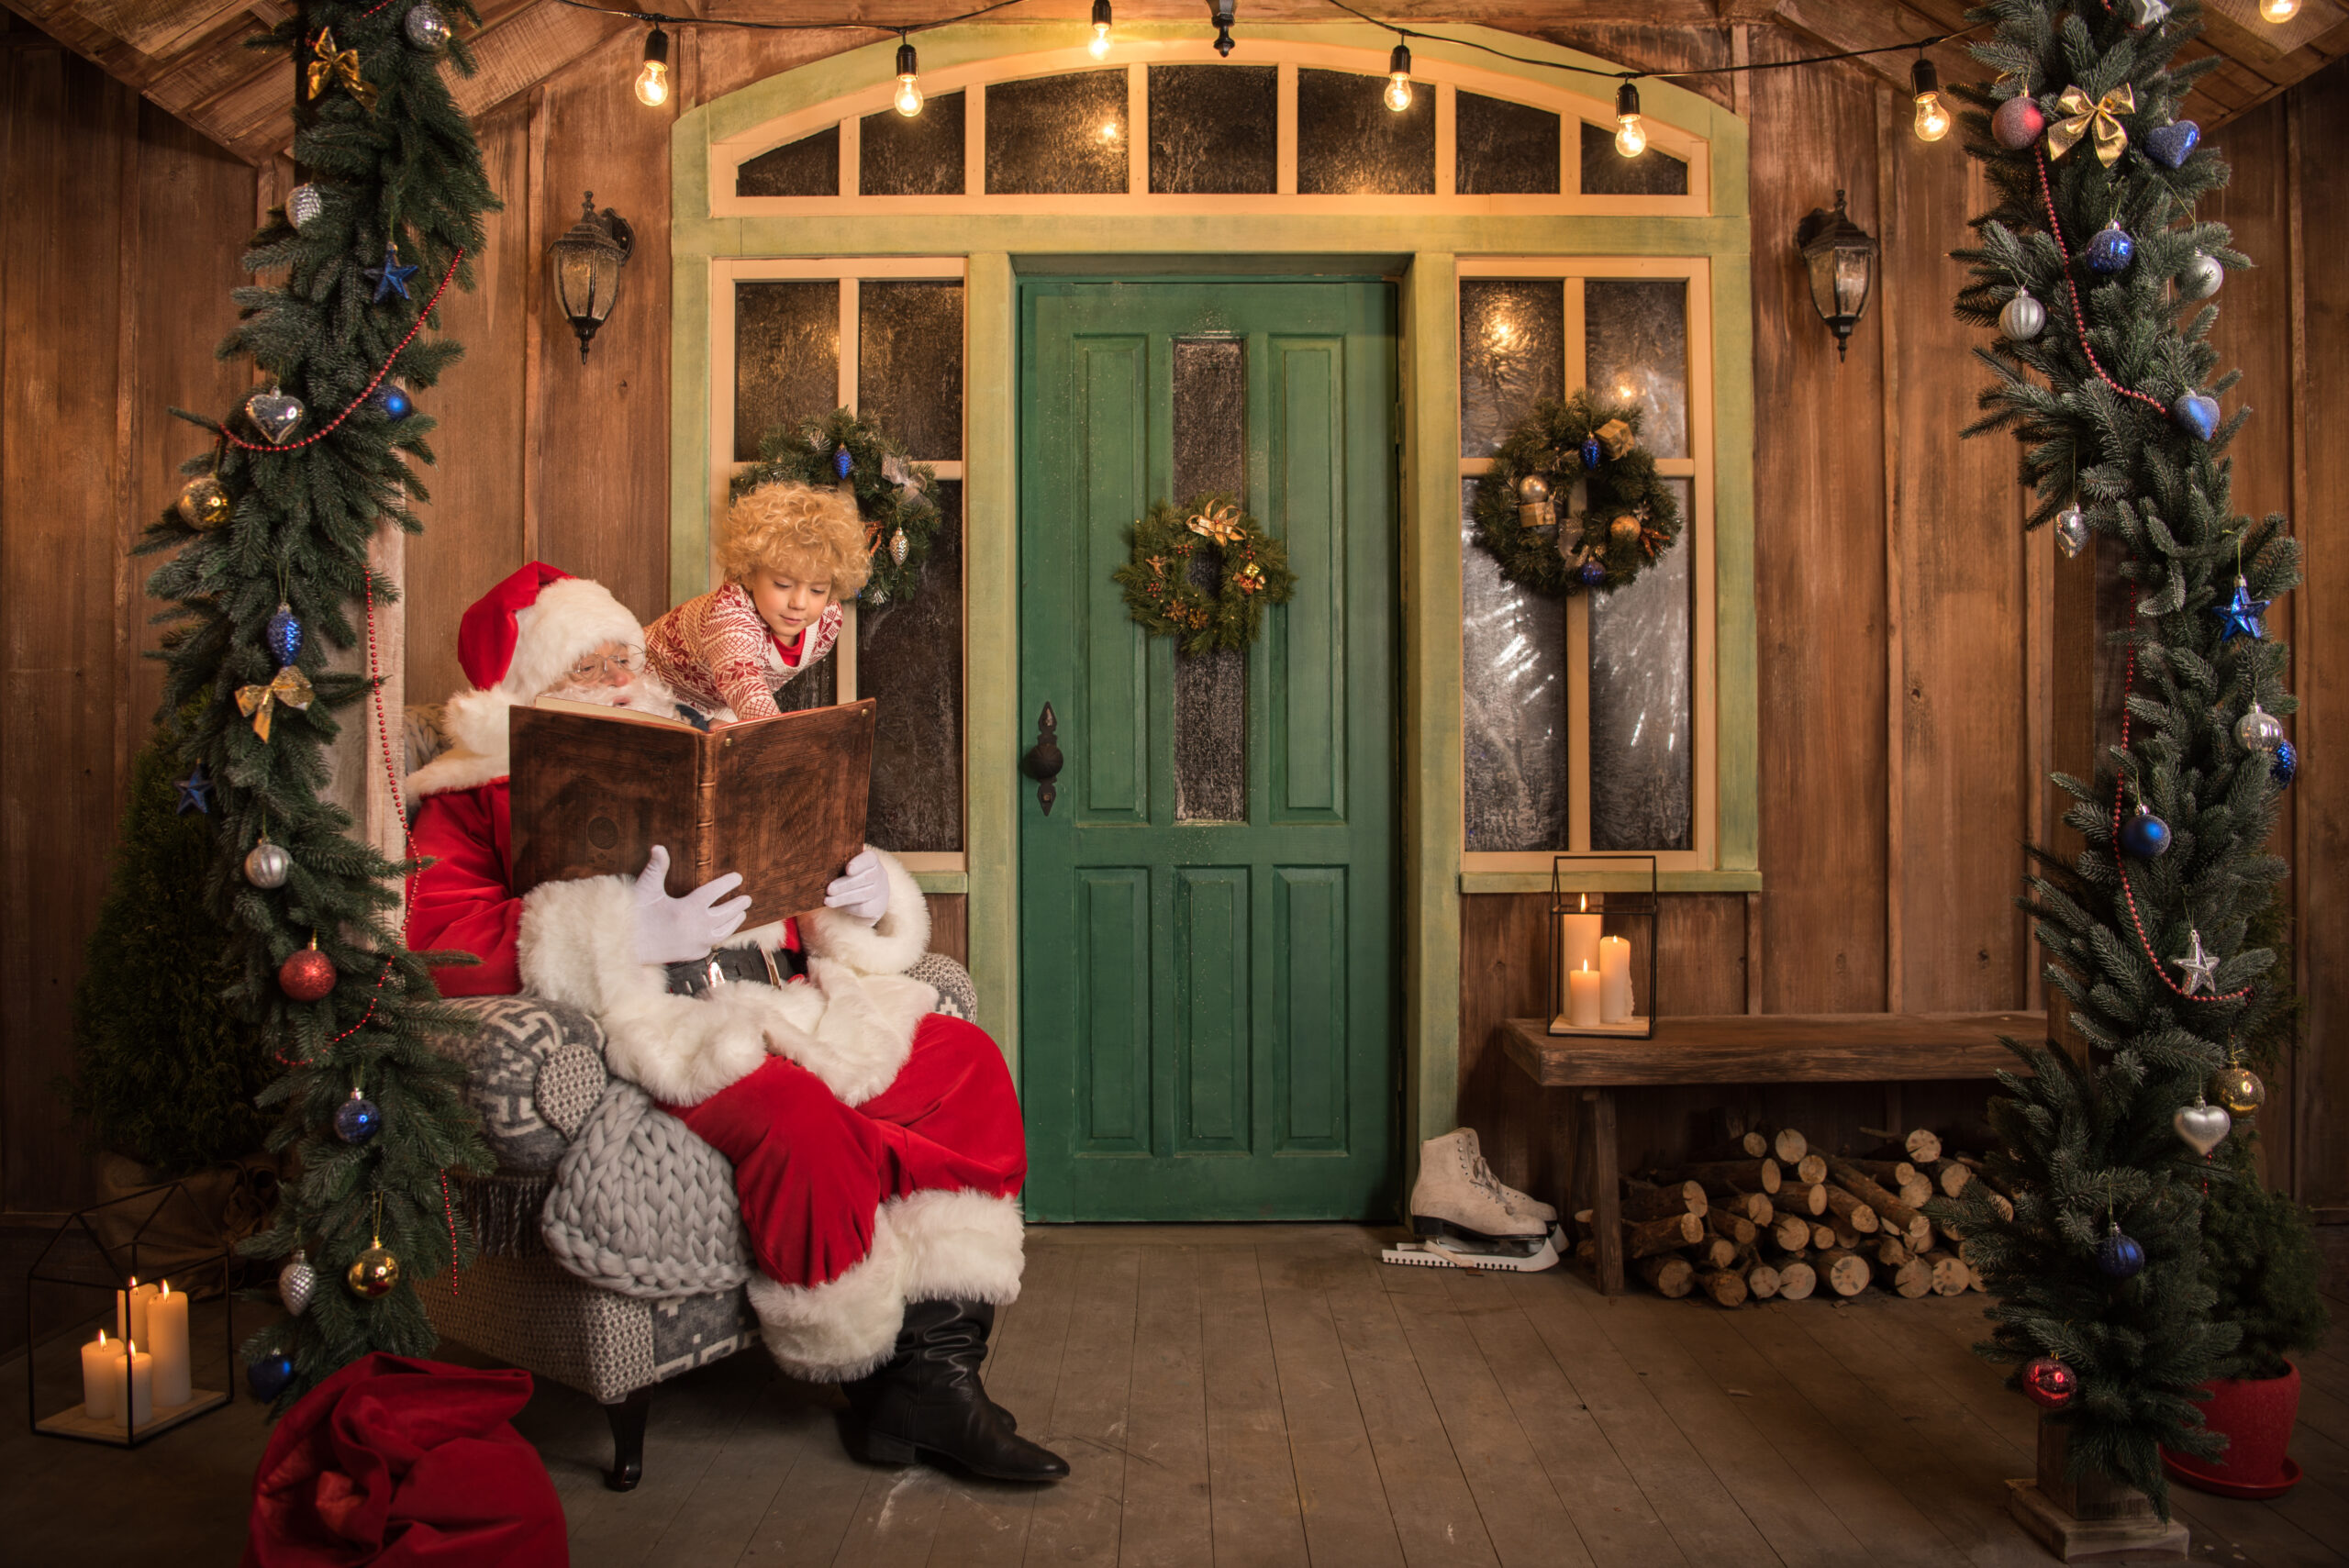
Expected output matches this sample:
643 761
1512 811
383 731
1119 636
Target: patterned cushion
534 1071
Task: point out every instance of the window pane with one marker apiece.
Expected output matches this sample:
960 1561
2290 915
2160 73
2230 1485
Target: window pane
1606 172
808 167
1210 689
909 659
1641 776
819 687
1513 714
1502 147
1214 129
1349 143
1512 354
910 364
1058 135
917 157
1635 349
786 357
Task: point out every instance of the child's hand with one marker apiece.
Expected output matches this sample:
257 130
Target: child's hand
862 891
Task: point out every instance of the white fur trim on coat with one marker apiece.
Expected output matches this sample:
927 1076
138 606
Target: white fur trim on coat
960 1246
887 946
841 1330
475 723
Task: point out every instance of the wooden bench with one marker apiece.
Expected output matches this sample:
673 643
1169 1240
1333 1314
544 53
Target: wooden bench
1776 1048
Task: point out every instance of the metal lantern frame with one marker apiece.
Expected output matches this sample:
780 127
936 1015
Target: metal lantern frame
600 244
1622 911
1826 239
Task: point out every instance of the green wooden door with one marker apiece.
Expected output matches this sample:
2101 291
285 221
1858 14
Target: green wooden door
1208 952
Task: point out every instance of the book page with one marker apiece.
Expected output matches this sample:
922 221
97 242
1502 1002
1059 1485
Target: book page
606 710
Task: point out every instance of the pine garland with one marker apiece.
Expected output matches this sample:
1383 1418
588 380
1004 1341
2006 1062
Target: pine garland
2093 399
1181 552
1630 517
893 491
385 146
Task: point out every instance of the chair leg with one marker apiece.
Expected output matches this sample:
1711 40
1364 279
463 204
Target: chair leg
627 1419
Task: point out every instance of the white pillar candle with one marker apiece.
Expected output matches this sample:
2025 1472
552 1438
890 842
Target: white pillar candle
141 1403
100 1372
1578 938
167 1341
130 1310
1582 987
1614 980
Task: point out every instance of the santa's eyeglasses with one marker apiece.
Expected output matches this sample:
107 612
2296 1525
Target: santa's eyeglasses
602 666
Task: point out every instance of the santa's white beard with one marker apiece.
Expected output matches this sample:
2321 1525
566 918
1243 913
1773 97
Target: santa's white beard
646 694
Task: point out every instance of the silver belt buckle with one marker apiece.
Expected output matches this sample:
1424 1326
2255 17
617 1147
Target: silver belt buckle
774 976
716 975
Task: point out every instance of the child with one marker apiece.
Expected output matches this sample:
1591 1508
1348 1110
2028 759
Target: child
792 553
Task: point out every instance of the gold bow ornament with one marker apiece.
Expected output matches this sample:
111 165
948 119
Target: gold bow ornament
2076 118
289 686
1615 437
330 65
1219 525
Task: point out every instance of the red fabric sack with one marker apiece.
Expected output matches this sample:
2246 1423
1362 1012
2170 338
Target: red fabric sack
405 1464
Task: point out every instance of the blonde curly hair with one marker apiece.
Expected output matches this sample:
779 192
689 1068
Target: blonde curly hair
798 528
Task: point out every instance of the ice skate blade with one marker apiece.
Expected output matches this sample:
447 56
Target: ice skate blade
1427 1227
1517 1257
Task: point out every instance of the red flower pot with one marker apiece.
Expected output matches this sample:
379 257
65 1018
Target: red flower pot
2256 1416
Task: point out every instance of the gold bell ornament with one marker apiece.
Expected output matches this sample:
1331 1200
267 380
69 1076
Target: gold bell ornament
203 504
376 1271
2238 1088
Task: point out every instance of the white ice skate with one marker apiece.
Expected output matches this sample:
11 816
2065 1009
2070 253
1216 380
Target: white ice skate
1467 1220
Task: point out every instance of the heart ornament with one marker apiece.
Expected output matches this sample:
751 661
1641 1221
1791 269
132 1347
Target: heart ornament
2168 145
2197 414
2203 1125
273 413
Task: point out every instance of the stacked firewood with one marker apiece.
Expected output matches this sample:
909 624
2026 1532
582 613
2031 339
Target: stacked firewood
1766 1215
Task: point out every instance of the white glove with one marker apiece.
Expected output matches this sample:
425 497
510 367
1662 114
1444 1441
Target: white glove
670 930
864 891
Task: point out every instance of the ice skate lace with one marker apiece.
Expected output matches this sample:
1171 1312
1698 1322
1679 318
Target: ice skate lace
1480 1176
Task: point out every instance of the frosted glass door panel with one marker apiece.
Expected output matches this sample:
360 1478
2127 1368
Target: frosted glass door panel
1210 689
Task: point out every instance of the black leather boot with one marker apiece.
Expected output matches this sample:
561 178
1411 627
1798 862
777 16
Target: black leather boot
927 1403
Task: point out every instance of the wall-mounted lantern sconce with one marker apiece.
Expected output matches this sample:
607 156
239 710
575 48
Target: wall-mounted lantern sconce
587 262
1840 256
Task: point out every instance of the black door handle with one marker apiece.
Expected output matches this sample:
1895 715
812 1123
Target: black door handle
1044 762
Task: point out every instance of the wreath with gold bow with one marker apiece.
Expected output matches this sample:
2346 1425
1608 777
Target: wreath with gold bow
1203 573
893 493
1524 510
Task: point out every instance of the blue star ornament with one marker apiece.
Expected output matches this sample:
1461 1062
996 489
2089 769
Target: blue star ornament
2239 616
391 277
195 792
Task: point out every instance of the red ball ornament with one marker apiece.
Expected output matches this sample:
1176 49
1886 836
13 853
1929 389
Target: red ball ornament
2049 1383
307 974
2017 123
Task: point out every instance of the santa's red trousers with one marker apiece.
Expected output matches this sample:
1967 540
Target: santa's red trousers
812 1170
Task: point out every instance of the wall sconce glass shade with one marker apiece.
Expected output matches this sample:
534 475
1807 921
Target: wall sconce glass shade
587 262
1840 257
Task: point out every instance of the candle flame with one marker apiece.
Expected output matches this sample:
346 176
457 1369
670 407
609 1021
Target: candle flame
134 1279
134 1346
1586 909
102 1336
167 1288
1585 966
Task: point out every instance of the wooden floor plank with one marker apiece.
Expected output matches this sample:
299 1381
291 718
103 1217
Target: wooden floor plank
693 1419
1076 1520
1252 1483
1167 1520
1347 1511
1704 1520
812 1507
716 1521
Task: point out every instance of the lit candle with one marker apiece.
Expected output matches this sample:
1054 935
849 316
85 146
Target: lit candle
1578 937
101 1372
1583 986
1614 979
167 1339
141 1369
130 1310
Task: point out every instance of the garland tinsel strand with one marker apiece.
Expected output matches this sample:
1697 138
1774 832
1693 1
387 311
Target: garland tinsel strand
1553 441
2086 1144
893 491
402 172
1202 572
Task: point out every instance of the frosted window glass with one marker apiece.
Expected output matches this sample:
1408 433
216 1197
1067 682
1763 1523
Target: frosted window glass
1210 689
1512 354
917 157
1641 732
786 357
1349 143
910 364
1635 349
1503 148
1513 710
1606 172
1214 129
1058 135
808 167
909 660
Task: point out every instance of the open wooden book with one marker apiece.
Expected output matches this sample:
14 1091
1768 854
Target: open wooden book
781 800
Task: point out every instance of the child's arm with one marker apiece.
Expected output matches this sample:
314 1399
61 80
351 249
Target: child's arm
730 643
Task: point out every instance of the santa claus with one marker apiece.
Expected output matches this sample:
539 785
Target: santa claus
877 1144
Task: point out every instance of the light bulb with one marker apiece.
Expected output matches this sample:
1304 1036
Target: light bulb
1630 135
653 81
1933 119
908 98
1398 79
1099 46
2279 10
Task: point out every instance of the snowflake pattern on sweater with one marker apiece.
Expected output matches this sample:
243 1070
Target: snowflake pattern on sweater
715 652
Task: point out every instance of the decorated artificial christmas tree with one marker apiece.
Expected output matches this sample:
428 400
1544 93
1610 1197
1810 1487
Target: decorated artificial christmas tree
2095 273
271 570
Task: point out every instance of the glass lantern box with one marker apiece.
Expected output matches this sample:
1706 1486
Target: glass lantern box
1603 946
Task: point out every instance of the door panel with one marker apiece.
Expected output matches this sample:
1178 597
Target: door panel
1207 971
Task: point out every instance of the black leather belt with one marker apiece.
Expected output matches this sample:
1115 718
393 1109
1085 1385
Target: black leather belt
759 966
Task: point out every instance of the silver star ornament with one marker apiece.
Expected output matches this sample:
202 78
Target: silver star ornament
2197 968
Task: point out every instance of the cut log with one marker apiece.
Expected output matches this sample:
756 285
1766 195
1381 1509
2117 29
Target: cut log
1845 1272
1739 1175
1950 1275
1754 1206
1792 1232
1797 1280
1920 1144
1844 1235
1736 1227
1850 1210
1644 1202
1823 1235
1950 1176
1908 1279
1762 1280
1809 1168
1751 1146
1584 1215
1714 1253
1888 1250
1645 1238
1668 1275
1901 1218
1803 1197
1726 1286
1788 1145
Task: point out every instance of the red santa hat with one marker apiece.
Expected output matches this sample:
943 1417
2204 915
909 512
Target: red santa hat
523 636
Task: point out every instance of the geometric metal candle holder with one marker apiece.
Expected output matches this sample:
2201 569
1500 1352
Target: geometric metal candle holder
1628 906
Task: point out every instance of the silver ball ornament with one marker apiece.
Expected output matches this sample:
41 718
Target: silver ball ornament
2259 730
427 28
2071 532
302 203
1533 489
267 864
2024 318
296 1283
2201 277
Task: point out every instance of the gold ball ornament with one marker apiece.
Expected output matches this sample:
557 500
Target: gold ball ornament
1624 529
203 505
376 1273
2238 1088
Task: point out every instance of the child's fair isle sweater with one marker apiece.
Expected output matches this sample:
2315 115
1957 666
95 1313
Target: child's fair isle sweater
715 652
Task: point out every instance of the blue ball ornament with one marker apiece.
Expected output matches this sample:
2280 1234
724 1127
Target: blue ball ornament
357 1120
1592 573
843 461
1590 451
268 1376
2284 764
2146 836
2119 1256
2112 251
284 637
391 403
